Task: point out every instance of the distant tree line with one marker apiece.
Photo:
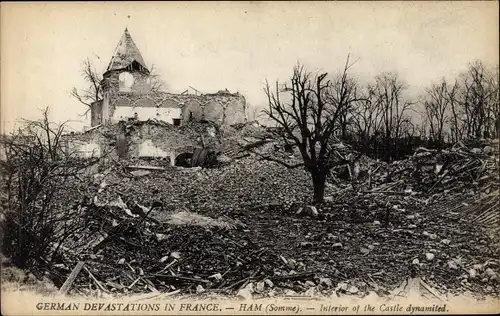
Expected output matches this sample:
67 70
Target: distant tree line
314 111
467 109
380 123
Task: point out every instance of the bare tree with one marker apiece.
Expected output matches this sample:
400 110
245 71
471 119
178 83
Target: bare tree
437 104
422 127
367 117
493 107
93 90
389 93
254 113
156 83
478 100
309 109
343 87
38 169
455 122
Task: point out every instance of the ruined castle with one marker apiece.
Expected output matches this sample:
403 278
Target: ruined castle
135 120
129 93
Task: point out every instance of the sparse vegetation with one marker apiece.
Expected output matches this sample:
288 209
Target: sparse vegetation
39 168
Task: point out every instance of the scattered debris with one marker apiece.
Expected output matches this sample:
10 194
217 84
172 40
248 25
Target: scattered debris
71 278
199 289
140 173
233 229
246 292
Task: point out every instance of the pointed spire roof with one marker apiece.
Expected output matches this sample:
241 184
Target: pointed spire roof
126 53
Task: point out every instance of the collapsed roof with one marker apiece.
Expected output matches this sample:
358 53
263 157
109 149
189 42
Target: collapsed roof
126 53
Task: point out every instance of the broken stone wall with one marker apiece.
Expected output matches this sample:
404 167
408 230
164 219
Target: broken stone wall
225 108
152 140
139 139
222 108
115 82
157 140
86 145
98 142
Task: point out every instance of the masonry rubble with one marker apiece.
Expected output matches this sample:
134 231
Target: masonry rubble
130 90
144 140
133 244
134 118
238 254
425 215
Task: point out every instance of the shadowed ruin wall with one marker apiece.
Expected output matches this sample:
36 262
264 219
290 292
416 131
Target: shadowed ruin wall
96 113
159 141
222 108
89 144
142 140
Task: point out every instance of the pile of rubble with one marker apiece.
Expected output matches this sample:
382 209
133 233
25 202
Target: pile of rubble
357 245
230 230
244 182
437 171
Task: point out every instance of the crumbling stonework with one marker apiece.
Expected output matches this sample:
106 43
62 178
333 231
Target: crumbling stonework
221 108
150 139
94 143
128 93
134 120
96 113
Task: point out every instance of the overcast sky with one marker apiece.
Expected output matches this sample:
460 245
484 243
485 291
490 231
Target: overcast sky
214 46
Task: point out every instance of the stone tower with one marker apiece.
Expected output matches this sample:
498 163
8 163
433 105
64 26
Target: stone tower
126 76
128 93
127 71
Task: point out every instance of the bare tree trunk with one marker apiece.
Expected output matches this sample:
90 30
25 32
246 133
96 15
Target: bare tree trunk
311 118
319 179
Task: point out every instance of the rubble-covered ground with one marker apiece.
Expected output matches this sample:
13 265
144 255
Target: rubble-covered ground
235 229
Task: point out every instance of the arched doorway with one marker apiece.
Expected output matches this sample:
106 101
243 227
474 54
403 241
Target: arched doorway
184 160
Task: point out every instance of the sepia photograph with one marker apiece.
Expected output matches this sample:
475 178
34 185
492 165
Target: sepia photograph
249 158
